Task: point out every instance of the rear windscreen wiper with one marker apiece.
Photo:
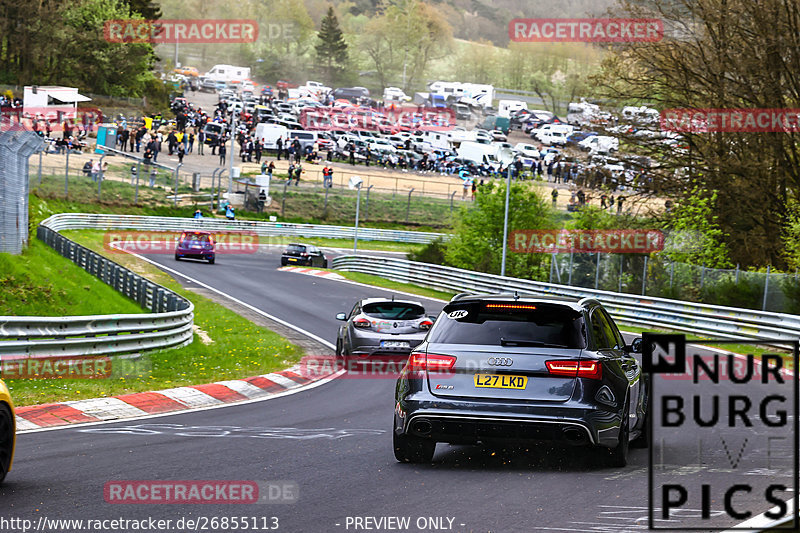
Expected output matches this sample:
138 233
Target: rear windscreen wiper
522 342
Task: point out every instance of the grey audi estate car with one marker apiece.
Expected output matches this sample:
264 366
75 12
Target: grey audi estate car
502 367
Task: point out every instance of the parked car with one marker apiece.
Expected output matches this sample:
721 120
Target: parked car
382 326
208 85
8 431
303 254
500 367
196 245
187 71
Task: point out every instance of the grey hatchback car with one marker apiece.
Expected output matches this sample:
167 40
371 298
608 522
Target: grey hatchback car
382 326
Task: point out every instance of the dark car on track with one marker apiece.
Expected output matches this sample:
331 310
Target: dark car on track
382 326
303 254
511 368
196 245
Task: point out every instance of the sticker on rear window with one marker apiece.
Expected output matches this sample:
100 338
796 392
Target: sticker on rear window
460 313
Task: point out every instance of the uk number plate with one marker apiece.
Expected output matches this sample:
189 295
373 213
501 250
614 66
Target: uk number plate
500 381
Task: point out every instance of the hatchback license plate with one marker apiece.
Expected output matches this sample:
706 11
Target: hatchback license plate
500 381
395 344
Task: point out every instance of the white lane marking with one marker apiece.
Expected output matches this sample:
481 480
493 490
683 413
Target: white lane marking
243 387
190 397
106 408
243 304
183 412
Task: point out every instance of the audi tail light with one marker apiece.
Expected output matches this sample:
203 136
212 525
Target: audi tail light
575 369
420 361
362 323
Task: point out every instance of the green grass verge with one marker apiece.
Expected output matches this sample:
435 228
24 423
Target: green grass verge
378 281
238 349
41 282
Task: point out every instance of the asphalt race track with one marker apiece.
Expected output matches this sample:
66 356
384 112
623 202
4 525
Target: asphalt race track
334 442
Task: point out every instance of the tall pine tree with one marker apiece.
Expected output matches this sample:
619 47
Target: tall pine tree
331 48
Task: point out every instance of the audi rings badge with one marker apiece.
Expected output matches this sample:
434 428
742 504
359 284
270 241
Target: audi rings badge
500 361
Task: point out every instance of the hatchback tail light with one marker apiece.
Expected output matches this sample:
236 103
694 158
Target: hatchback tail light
579 369
362 323
425 325
419 361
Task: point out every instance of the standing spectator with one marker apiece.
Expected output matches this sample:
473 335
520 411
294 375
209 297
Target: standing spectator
603 199
123 139
298 169
474 188
181 153
279 147
554 194
201 139
270 169
581 197
172 141
95 170
190 142
620 199
222 151
258 148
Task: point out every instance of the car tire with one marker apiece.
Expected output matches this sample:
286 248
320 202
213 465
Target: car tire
325 264
618 455
283 262
410 449
6 440
211 261
643 440
177 257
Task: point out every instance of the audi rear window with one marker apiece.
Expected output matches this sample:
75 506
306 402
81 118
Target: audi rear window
533 325
394 311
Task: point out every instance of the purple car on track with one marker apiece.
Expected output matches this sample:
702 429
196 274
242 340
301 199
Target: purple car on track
196 245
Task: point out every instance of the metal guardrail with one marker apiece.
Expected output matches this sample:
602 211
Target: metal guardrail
703 319
66 221
169 324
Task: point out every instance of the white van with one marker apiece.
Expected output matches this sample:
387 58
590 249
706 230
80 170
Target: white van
506 107
478 153
228 73
306 138
599 144
270 133
566 129
554 137
439 139
581 113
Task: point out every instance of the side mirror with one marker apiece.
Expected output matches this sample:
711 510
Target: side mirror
342 316
635 346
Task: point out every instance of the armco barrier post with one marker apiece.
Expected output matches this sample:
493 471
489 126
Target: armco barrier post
136 193
408 205
451 200
100 178
644 275
766 290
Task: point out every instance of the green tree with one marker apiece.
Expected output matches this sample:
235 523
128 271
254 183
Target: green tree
694 234
331 48
477 242
405 39
146 8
